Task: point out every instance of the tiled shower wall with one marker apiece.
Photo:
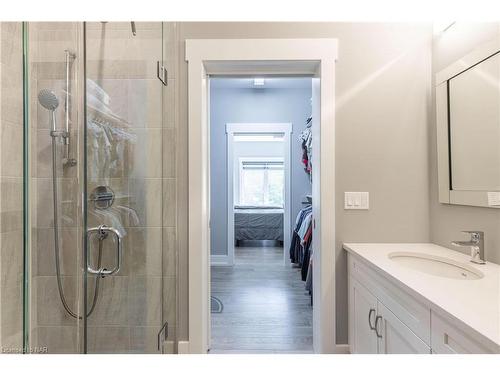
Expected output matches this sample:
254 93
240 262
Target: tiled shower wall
11 186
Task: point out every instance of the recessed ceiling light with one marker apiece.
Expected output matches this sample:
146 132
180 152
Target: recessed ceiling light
258 81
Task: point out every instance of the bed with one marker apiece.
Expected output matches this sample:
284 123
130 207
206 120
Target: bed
258 224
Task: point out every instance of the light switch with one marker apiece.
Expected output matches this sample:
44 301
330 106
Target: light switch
356 200
494 198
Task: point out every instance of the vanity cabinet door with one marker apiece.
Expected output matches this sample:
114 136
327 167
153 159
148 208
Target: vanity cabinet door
394 337
362 307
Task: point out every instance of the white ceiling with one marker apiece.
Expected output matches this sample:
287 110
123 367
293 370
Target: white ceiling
269 83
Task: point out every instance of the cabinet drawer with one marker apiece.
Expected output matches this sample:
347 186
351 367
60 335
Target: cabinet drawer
413 314
448 339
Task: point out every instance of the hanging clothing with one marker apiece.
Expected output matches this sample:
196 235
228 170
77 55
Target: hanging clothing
306 141
302 223
306 259
307 235
309 277
304 227
301 236
301 246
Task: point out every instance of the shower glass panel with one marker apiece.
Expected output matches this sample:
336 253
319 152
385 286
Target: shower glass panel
55 186
129 296
88 216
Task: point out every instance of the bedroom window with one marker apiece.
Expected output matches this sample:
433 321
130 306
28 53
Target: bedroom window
271 137
262 183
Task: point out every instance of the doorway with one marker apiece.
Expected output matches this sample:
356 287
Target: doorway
314 57
251 197
259 302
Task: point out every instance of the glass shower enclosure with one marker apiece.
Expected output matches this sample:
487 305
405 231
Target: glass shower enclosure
99 170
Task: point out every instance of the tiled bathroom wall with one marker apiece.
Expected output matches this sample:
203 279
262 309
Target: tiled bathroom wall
11 187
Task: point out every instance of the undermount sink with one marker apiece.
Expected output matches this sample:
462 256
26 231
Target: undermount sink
436 266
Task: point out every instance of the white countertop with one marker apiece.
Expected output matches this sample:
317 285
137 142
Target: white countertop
476 303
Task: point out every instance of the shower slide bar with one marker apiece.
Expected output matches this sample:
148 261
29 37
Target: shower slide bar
66 136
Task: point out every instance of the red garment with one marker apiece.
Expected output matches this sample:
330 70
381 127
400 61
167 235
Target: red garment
308 234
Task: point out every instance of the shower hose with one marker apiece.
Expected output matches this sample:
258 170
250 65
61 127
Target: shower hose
56 243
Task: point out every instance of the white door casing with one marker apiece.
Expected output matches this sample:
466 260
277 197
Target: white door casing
262 56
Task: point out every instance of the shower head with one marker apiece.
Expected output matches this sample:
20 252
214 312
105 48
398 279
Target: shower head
48 99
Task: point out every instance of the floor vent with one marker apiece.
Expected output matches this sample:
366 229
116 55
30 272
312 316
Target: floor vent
216 305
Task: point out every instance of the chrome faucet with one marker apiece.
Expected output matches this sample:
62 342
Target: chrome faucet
476 245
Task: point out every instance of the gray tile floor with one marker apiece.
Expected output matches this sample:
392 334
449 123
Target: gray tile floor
266 308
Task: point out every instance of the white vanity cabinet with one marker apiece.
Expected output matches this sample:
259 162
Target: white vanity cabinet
448 339
385 318
362 313
373 328
396 338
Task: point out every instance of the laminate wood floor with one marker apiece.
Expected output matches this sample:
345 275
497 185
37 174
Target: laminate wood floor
266 306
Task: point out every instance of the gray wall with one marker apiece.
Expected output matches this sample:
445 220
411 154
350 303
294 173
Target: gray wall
253 105
383 100
446 221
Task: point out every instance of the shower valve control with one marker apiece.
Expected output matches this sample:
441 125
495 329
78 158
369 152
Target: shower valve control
102 197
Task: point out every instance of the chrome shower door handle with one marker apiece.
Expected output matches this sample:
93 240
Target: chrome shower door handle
103 231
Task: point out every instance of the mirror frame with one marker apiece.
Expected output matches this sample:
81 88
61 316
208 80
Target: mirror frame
478 198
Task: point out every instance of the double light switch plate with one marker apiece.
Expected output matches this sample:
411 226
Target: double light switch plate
356 200
494 198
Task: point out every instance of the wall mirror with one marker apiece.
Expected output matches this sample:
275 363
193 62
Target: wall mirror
468 129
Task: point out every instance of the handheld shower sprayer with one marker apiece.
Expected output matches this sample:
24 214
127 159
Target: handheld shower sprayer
49 101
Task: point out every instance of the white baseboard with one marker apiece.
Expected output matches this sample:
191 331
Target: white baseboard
219 260
169 347
343 349
183 347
